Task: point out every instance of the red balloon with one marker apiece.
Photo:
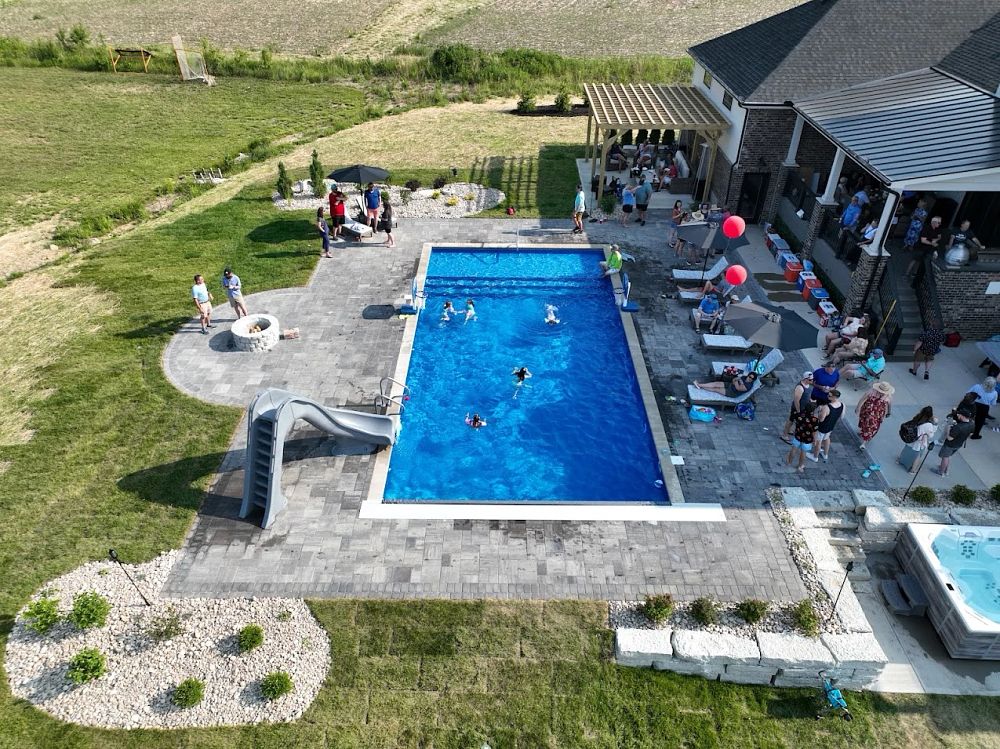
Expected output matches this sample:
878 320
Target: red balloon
736 274
733 227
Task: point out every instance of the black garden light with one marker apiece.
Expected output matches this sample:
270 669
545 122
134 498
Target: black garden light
115 558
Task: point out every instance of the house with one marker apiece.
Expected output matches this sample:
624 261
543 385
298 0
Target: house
901 98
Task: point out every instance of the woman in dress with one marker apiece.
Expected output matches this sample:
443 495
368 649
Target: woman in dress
872 409
916 225
387 223
676 217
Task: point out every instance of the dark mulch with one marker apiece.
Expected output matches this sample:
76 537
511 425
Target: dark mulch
549 110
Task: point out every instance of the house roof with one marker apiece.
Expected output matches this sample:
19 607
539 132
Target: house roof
626 105
828 45
917 125
977 59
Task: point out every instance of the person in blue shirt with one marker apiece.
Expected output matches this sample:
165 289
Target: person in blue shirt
868 370
628 203
234 290
203 301
709 308
642 195
851 214
373 204
825 379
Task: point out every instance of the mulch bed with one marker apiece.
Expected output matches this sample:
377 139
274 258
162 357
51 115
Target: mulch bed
549 110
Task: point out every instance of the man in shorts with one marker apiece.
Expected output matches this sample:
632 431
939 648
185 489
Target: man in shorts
203 301
579 208
234 290
954 439
338 214
373 205
642 195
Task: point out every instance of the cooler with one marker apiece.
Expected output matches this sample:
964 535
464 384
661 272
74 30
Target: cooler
792 270
816 296
810 284
780 245
784 258
826 312
804 276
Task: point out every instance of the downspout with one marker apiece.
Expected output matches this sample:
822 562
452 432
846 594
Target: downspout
881 245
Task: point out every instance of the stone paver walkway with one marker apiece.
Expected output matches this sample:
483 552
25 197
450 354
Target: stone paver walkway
320 546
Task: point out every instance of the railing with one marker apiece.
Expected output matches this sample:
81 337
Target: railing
886 314
385 398
927 297
799 194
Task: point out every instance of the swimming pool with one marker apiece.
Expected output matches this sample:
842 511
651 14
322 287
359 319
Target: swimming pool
577 431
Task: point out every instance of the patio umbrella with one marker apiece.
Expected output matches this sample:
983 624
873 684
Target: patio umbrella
991 349
694 233
359 174
771 326
721 242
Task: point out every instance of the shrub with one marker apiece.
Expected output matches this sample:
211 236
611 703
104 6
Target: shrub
412 184
435 195
995 492
259 149
526 103
962 495
451 201
45 51
752 610
266 57
75 39
439 182
658 608
87 665
804 617
705 611
276 684
470 196
284 183
250 637
608 203
316 176
188 693
923 495
166 627
284 616
563 102
42 615
89 610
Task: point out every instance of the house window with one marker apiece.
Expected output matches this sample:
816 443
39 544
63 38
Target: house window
727 100
707 79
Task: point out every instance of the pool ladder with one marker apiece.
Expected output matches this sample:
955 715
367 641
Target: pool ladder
385 399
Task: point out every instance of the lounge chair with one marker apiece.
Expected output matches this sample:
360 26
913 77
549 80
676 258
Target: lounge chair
698 277
690 297
767 365
725 342
701 397
357 229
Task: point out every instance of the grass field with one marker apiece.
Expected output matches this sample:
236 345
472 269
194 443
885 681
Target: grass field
63 133
308 27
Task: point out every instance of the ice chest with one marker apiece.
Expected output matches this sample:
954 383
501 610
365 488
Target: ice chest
804 276
816 296
826 311
792 270
812 283
784 258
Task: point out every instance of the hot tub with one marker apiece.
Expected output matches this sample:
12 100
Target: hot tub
959 569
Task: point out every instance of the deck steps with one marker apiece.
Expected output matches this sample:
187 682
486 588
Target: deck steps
838 520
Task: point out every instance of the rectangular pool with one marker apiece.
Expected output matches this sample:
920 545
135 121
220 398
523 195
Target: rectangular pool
577 431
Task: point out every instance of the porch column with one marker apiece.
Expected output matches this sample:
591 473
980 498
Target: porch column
871 262
884 224
825 205
835 170
793 144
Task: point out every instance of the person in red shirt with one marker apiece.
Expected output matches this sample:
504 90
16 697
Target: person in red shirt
338 213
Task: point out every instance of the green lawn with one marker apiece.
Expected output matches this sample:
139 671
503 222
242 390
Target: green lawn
89 142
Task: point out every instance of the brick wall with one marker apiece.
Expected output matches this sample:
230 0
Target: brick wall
965 305
720 183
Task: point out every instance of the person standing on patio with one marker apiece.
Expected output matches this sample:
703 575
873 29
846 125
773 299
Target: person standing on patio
872 409
373 204
955 435
203 301
338 214
805 424
986 396
848 222
828 414
825 379
927 245
234 290
926 348
799 397
916 225
628 203
386 221
642 195
677 215
579 208
324 231
919 430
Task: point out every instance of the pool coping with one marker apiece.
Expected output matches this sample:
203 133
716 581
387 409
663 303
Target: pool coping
374 506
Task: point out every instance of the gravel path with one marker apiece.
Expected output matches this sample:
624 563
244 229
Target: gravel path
454 200
142 673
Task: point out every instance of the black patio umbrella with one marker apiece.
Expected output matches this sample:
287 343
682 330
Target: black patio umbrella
721 242
359 173
772 326
694 233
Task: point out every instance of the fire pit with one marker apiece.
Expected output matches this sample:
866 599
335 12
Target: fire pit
255 333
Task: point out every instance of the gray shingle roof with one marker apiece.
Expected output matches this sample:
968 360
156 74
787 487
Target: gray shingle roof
919 124
977 59
828 45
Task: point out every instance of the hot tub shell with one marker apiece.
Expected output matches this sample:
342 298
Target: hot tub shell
965 632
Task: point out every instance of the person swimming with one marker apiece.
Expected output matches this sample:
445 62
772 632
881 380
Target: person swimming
520 375
470 310
550 314
474 421
447 311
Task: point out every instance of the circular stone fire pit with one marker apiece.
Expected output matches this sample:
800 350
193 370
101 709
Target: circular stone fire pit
255 333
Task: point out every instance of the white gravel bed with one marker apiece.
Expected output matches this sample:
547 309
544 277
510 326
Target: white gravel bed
142 673
628 615
468 198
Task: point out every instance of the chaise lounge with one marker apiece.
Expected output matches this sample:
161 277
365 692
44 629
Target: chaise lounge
700 277
768 364
701 397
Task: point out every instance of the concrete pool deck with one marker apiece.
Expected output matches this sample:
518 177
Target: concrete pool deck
321 546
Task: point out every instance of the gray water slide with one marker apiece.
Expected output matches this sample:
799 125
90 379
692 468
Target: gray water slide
271 416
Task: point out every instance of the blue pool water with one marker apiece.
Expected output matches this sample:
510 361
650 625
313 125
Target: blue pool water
577 431
973 559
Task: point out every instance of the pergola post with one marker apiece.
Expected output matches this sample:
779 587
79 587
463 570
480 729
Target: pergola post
588 154
708 171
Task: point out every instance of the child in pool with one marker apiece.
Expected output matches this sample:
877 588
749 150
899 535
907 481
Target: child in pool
448 311
470 310
474 421
550 314
520 375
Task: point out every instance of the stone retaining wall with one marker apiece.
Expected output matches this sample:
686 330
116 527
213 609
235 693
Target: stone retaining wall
782 660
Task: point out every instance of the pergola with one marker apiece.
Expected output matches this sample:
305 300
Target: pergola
617 107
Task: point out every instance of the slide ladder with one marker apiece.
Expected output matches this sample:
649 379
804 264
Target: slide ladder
271 416
386 399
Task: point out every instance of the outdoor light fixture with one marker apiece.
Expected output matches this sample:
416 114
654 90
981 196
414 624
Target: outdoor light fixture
115 558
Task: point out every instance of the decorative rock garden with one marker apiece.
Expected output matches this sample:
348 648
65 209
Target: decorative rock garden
104 658
453 200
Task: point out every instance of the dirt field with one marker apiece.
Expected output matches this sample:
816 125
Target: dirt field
364 27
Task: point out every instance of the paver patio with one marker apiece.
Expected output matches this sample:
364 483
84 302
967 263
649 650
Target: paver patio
320 547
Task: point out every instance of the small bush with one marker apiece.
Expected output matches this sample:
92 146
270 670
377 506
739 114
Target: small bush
435 195
705 611
412 184
526 103
752 610
266 57
962 495
804 617
89 610
250 637
87 665
42 615
284 616
316 176
276 685
563 102
923 495
995 492
608 203
451 201
439 182
188 693
658 608
45 51
166 627
284 183
75 39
